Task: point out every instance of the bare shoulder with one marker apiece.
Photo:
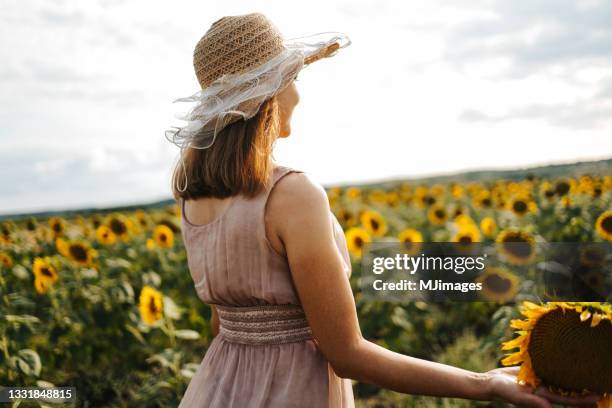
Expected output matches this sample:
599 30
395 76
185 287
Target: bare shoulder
298 192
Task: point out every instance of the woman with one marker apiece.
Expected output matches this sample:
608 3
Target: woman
267 254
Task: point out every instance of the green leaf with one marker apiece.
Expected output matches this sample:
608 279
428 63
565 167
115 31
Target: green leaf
28 362
187 334
44 384
118 263
21 272
136 333
89 273
171 309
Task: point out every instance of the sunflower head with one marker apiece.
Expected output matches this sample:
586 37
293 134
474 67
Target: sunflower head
117 223
81 253
411 241
563 187
437 214
377 196
499 284
483 199
5 260
517 247
58 226
346 217
356 238
603 225
393 198
488 226
150 305
521 205
565 346
353 193
374 223
44 270
31 224
163 236
105 235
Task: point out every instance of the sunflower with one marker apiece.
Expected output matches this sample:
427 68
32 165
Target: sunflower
58 226
456 191
563 187
437 215
353 193
463 219
31 224
374 223
334 192
592 255
346 217
6 260
488 226
377 196
118 224
356 238
520 206
45 274
564 346
150 243
603 225
163 236
105 235
62 246
467 235
393 198
150 305
95 221
547 191
483 199
595 280
81 253
499 284
411 241
41 285
517 247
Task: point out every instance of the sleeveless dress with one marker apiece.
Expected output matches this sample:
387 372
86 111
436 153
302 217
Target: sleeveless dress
264 354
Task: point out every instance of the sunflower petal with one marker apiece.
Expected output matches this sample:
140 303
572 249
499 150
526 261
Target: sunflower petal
606 402
513 359
521 324
526 373
596 319
585 315
514 343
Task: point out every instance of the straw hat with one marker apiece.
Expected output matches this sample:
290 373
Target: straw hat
240 62
235 44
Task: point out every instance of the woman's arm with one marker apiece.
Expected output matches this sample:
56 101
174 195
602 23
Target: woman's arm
299 214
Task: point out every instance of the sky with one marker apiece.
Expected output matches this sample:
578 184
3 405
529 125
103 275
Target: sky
426 87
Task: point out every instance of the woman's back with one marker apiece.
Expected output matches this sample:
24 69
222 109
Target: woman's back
264 354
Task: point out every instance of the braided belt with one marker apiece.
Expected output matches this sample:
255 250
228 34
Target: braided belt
268 324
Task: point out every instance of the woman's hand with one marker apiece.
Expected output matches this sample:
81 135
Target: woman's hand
503 386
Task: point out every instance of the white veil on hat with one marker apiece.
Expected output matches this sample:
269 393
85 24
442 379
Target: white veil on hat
234 97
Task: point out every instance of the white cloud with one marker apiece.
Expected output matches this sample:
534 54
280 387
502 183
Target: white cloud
426 87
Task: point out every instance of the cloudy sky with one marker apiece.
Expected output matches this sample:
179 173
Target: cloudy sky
427 87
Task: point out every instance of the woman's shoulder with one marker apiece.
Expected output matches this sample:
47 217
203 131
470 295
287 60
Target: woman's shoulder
296 189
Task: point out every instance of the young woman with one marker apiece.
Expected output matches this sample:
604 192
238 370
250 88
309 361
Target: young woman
267 254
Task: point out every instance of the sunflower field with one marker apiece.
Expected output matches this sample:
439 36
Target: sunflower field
104 302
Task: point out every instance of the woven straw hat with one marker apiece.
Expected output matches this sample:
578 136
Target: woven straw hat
236 44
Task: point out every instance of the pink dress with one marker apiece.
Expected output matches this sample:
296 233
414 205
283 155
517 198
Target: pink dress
264 355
